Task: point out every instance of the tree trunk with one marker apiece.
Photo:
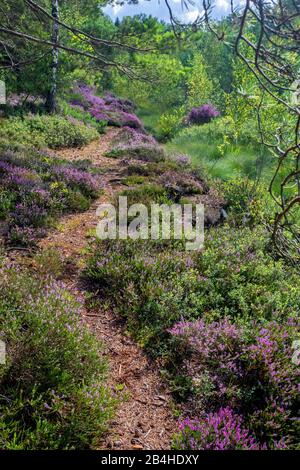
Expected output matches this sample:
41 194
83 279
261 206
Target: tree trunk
51 98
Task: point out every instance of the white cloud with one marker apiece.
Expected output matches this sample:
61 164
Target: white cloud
191 15
223 4
116 9
158 9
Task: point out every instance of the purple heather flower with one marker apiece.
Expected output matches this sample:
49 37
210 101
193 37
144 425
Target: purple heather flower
222 430
202 114
75 177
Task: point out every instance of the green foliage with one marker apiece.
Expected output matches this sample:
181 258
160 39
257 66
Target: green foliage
42 131
77 202
36 187
144 153
199 86
7 199
134 180
248 201
82 116
164 90
218 149
241 278
52 386
147 194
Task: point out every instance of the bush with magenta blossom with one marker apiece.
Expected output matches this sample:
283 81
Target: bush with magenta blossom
24 235
52 387
202 114
28 214
222 430
212 358
75 178
138 145
124 104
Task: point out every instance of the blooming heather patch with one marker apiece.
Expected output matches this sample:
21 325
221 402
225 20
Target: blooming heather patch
222 430
36 187
63 402
182 160
77 178
113 110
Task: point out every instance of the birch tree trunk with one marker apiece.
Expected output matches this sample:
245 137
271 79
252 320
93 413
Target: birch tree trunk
51 98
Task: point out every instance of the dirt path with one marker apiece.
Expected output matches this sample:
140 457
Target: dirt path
144 419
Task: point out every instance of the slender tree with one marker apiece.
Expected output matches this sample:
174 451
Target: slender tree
51 98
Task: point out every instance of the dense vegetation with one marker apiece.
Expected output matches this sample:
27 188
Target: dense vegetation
53 393
221 322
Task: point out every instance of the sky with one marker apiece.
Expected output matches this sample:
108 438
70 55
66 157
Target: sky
158 9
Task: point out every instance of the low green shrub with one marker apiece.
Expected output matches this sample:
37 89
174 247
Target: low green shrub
147 194
247 201
170 123
145 153
7 199
134 180
52 387
46 131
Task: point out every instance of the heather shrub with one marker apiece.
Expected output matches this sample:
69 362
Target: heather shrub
110 109
28 214
147 194
70 132
170 123
36 187
247 201
135 180
77 202
15 131
202 114
247 368
78 113
179 183
223 321
135 144
211 355
152 170
24 236
153 283
146 153
233 277
242 280
74 178
52 387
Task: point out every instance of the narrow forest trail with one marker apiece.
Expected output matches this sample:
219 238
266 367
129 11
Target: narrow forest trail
144 419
